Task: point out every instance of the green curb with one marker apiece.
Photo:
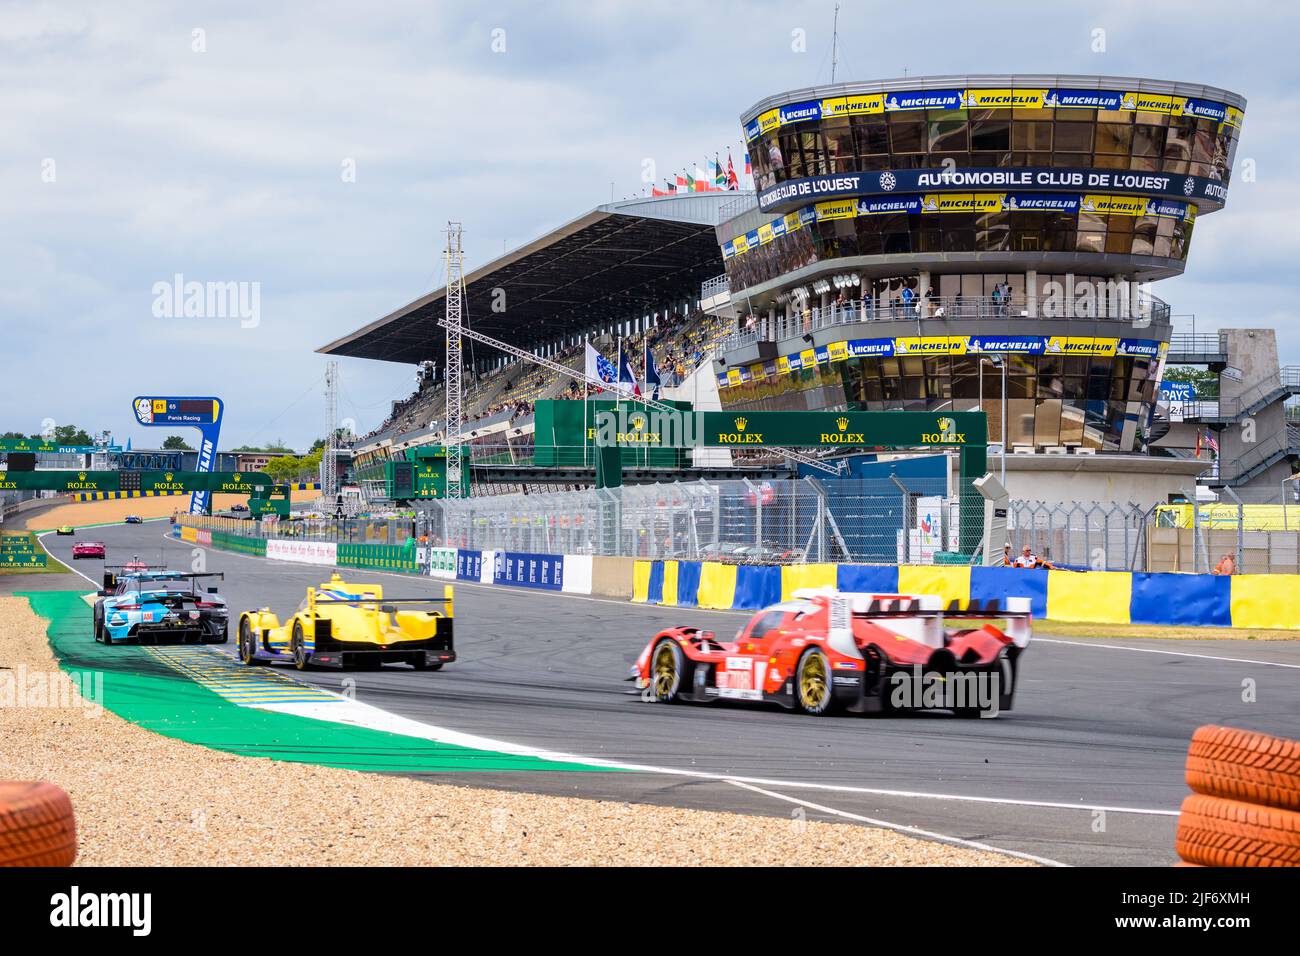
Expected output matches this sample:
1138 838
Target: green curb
144 691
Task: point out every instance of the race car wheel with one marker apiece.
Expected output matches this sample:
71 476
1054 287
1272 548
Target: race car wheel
1242 765
300 656
666 670
247 643
812 683
99 628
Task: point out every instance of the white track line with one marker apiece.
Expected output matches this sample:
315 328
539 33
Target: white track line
395 723
897 827
1160 650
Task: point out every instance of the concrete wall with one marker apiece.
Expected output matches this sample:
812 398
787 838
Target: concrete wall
1117 479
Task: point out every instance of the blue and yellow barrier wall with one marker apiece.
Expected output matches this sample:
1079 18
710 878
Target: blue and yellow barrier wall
1093 597
1089 597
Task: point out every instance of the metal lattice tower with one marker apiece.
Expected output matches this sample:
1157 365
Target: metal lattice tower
451 363
329 470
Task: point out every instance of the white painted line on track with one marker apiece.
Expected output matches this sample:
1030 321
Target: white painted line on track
1160 650
897 827
365 714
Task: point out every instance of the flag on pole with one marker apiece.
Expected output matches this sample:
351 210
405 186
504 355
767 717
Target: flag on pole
749 170
656 191
1199 436
683 186
599 367
652 381
626 380
733 182
719 177
1213 443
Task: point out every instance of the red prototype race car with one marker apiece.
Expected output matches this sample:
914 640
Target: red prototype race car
88 549
864 653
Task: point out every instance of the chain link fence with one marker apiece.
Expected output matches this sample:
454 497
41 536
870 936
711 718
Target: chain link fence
867 521
788 520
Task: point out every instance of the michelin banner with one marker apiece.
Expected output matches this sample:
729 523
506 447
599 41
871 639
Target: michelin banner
1021 98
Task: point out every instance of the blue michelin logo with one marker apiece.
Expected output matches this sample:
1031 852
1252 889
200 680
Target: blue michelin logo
1032 344
1084 99
1205 109
1041 202
1166 207
1142 347
891 204
751 129
924 100
871 347
797 112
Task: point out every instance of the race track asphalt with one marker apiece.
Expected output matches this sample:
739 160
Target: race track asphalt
1087 770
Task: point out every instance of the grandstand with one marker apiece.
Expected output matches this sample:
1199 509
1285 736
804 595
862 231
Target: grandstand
626 273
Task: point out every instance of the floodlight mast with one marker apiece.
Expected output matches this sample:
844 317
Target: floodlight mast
451 362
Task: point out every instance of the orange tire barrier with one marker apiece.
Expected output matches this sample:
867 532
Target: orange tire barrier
36 825
1246 766
1213 831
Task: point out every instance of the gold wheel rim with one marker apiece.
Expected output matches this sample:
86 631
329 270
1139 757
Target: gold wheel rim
665 671
813 686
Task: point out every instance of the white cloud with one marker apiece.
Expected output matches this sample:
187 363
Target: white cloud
225 165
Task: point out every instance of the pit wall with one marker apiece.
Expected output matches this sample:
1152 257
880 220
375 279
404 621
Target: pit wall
1091 597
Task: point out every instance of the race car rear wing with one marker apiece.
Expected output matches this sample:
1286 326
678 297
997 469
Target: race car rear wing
1016 611
386 604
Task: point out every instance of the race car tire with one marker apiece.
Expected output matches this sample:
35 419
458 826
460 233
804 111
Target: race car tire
224 636
667 672
37 826
99 628
1213 831
247 643
813 691
1243 765
296 643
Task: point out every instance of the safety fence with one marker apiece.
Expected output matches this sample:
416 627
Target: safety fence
909 520
1259 539
1099 597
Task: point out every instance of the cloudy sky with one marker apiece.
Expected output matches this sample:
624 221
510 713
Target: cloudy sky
316 150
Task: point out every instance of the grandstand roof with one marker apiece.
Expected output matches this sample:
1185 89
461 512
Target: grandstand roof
616 261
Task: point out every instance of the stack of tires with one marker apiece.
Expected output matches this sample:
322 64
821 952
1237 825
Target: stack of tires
1245 806
36 825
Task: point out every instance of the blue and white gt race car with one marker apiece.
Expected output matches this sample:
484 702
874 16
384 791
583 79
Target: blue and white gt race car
151 606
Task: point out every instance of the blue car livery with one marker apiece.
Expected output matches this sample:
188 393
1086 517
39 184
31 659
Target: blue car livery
151 606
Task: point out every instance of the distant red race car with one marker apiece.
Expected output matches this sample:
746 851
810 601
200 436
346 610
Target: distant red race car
88 549
863 653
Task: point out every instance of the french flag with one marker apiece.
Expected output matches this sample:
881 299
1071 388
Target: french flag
626 380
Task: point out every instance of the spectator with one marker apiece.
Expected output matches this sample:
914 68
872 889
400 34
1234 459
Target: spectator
1028 559
1227 564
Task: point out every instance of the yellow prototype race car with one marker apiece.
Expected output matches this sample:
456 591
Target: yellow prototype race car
352 625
